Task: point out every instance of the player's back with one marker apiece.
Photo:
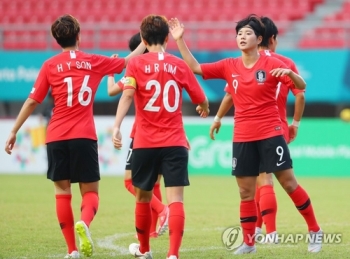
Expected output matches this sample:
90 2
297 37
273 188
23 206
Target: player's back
160 79
74 77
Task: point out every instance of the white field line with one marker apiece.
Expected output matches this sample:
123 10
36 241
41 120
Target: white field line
109 242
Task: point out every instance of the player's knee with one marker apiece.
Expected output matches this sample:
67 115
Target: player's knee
289 185
264 179
143 196
246 193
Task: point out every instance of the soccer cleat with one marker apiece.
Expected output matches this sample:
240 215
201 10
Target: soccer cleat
172 257
259 236
163 221
74 254
245 249
86 245
315 243
258 231
134 249
271 238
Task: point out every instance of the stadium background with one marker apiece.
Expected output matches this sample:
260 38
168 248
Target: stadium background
314 33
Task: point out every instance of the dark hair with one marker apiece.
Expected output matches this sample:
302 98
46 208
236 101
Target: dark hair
254 22
270 31
135 41
65 30
154 29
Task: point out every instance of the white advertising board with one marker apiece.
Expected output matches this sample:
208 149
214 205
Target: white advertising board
29 154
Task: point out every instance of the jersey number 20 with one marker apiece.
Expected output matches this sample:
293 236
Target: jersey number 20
150 106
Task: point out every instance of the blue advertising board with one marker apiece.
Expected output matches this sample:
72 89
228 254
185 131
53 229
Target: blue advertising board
326 72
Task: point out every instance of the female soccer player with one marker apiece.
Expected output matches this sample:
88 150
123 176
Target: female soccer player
159 210
258 143
73 77
155 81
265 196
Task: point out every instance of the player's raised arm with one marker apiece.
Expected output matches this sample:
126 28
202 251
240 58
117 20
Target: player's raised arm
177 31
113 88
138 51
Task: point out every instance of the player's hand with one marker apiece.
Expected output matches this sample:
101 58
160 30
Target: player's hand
215 127
293 132
202 113
199 109
176 28
277 72
115 55
10 143
117 138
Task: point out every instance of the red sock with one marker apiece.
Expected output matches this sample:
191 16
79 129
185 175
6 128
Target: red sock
157 205
157 191
143 218
176 227
248 220
89 207
129 186
302 201
268 207
154 222
158 194
66 220
259 220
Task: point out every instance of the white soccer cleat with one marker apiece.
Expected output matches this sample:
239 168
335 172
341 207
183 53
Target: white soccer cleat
134 249
258 231
172 257
259 236
245 249
271 238
86 245
315 243
163 221
73 255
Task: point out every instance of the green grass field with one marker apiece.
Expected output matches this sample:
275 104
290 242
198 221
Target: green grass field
29 228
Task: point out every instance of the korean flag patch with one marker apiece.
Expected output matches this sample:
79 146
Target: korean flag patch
260 76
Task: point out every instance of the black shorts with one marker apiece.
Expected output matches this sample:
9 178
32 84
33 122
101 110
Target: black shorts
148 162
266 155
129 156
75 160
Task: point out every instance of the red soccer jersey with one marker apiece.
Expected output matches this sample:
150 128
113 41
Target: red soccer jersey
158 80
253 92
283 90
73 77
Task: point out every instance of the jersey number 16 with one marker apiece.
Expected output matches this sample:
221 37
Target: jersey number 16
83 89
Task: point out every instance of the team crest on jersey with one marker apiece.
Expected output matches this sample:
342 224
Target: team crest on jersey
234 163
260 76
